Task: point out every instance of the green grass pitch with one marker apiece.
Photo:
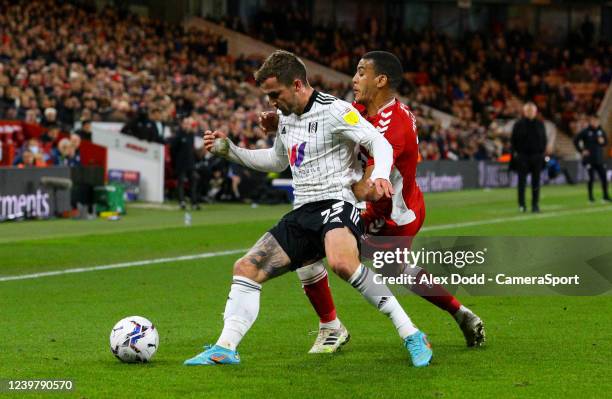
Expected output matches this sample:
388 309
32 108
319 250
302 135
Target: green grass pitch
57 327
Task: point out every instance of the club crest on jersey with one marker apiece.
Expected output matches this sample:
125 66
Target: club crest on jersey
312 127
296 154
284 131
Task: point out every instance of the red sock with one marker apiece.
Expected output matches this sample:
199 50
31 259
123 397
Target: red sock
436 294
321 299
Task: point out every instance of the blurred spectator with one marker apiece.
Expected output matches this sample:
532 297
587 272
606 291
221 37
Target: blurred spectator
49 117
85 131
147 127
156 128
50 138
75 140
206 165
216 185
5 102
63 154
182 150
34 147
30 160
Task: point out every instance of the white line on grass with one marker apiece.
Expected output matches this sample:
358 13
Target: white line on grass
237 251
514 219
122 265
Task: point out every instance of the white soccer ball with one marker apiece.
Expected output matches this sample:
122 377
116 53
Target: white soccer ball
134 339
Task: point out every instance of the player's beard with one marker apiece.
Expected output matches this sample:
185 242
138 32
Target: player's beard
285 110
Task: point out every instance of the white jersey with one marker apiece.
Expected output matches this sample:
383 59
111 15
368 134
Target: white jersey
321 147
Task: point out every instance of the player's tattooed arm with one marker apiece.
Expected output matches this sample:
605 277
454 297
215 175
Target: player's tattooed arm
267 255
363 190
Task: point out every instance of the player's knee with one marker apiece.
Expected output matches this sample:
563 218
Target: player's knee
311 272
243 267
344 266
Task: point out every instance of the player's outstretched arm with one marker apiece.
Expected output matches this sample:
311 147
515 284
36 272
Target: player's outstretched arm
266 160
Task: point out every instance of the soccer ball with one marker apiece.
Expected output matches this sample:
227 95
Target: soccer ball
134 339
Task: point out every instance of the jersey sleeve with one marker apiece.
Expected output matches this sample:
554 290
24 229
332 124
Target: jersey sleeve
267 160
397 135
279 148
347 121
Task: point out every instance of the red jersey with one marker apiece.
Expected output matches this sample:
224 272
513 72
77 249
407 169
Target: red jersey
395 121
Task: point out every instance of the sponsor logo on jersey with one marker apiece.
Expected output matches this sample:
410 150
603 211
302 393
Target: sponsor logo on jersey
296 154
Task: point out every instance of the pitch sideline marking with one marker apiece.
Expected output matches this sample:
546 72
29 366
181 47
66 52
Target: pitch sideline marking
237 251
122 265
513 219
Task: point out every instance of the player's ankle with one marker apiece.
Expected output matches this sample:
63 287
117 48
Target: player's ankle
460 313
226 345
332 324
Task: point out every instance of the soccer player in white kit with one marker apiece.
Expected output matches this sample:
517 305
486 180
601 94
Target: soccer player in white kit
317 137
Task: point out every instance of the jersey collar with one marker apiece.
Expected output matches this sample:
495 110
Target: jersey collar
311 101
362 109
390 103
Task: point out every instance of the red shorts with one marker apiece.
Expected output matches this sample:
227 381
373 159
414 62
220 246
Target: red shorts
382 227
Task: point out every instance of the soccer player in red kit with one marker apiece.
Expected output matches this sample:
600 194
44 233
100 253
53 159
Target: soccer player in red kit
375 84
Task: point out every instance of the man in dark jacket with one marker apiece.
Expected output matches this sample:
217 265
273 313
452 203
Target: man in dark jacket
528 149
182 152
148 127
590 143
85 131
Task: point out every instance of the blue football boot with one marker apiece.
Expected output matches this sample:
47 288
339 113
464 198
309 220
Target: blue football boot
419 348
214 355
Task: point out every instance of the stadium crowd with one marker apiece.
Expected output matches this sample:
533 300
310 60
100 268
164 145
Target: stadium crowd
63 66
478 78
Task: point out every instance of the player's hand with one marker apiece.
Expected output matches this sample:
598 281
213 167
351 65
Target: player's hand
216 142
268 120
383 187
585 153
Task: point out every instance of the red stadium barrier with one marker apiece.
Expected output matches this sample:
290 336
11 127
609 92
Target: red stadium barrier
93 154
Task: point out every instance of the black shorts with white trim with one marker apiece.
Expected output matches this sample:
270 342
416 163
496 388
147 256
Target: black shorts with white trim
301 232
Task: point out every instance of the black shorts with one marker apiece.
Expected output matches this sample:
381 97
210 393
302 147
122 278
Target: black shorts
301 232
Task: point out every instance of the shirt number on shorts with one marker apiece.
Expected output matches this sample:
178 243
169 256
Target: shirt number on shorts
333 211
